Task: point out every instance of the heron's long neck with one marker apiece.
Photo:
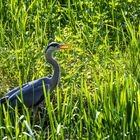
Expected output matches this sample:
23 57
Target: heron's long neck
56 75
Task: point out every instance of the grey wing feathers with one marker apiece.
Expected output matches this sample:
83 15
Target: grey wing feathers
3 99
32 93
15 89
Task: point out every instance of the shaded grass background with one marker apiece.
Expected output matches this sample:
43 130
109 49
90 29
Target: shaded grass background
99 93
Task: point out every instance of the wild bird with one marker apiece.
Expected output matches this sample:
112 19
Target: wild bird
32 94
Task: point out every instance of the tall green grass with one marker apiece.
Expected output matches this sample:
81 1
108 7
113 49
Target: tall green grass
99 93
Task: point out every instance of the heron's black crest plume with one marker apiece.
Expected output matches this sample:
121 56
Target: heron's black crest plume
52 44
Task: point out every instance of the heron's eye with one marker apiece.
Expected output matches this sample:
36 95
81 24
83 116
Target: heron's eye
52 46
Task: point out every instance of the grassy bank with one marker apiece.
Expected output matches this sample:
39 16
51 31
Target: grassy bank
99 93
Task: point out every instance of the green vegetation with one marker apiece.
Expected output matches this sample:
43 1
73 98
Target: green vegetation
99 93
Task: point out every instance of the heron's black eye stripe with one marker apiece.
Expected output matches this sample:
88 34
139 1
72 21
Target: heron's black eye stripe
53 44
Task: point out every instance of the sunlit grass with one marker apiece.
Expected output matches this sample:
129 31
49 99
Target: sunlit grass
99 93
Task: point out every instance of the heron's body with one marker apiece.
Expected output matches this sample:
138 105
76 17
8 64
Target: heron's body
29 92
32 93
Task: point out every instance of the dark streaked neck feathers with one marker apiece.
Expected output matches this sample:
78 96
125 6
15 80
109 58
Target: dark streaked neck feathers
56 75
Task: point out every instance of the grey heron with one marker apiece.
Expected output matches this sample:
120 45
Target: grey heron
32 92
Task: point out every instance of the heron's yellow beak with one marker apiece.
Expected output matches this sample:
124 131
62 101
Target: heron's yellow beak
65 46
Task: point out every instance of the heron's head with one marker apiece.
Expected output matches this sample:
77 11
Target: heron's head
56 46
